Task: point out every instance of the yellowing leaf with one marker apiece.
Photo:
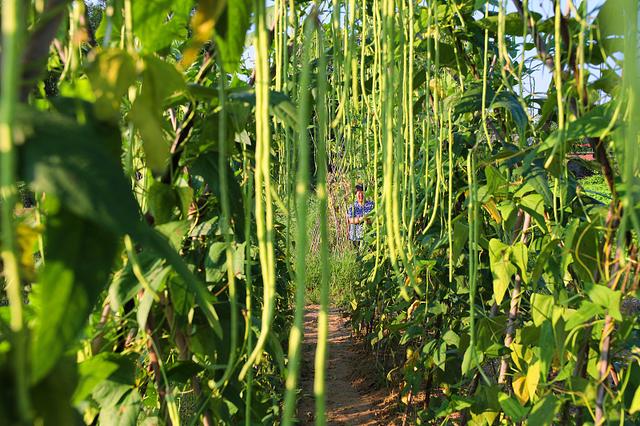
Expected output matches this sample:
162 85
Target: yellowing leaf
635 403
202 23
27 236
111 74
516 354
533 378
520 389
490 206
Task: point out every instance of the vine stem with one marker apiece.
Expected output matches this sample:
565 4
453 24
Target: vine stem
12 27
302 185
321 355
263 208
225 224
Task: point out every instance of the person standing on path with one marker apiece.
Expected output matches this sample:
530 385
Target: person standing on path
356 216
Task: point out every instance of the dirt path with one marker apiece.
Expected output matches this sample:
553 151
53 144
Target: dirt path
351 398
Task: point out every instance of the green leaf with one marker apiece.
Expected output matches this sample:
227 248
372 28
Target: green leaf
547 345
471 102
451 338
158 23
175 232
161 246
230 32
160 81
471 359
96 370
544 411
162 202
509 101
109 392
280 105
514 24
440 356
125 285
79 169
608 19
501 268
125 413
635 403
88 180
497 184
455 404
520 258
534 205
111 25
541 308
587 311
586 250
206 165
592 124
607 298
111 73
542 259
533 378
156 283
512 407
51 396
460 237
79 259
215 262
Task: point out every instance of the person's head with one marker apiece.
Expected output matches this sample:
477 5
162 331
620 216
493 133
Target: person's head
360 193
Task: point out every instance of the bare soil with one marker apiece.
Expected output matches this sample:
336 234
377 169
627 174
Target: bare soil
353 397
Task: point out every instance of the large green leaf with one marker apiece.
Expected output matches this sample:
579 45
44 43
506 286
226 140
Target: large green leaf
501 268
206 165
512 407
158 23
160 80
79 259
592 124
514 24
89 182
607 298
585 313
125 413
231 30
520 258
471 102
280 105
541 308
98 369
79 169
534 205
51 396
111 74
544 411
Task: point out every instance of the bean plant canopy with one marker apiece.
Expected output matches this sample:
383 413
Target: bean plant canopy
162 162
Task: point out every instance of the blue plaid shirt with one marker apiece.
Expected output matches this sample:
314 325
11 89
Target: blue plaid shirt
356 231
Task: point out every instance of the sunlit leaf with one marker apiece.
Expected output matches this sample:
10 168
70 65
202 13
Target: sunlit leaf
501 268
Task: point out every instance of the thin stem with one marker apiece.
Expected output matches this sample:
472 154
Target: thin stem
302 185
12 28
319 387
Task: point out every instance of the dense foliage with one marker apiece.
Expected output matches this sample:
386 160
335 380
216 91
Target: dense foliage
180 180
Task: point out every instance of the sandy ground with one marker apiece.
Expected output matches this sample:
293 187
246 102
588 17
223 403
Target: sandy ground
352 397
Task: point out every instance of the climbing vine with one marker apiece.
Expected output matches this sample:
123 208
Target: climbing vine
158 161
